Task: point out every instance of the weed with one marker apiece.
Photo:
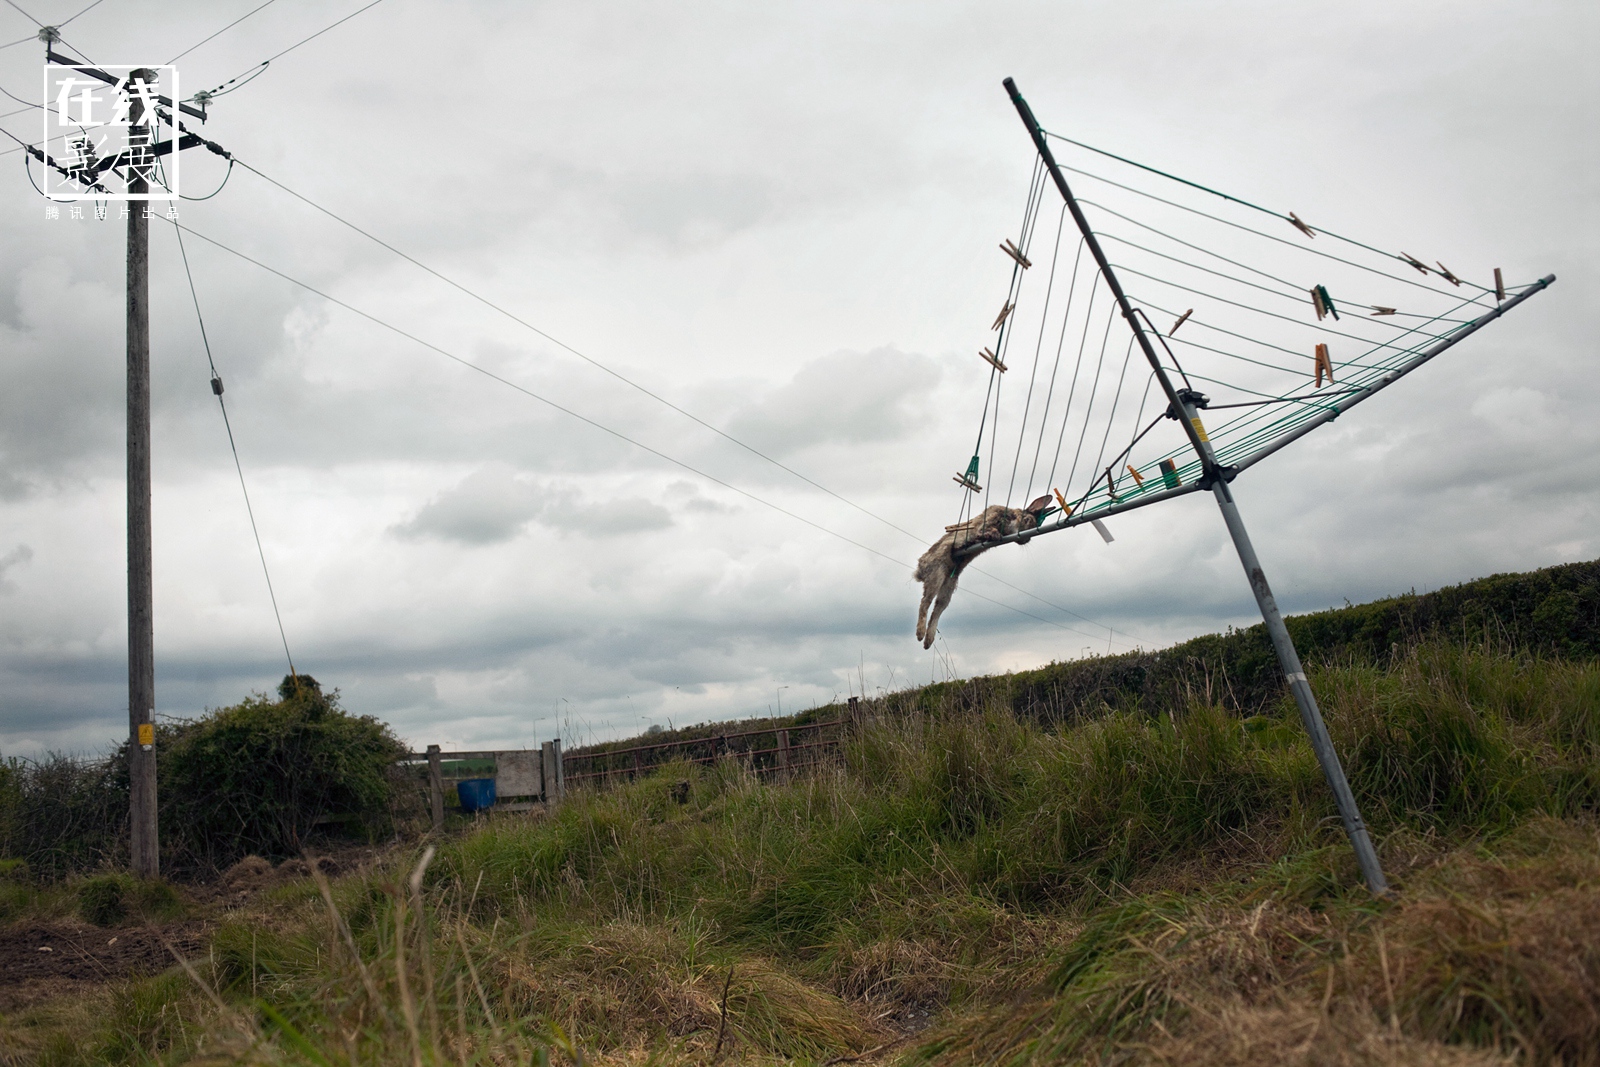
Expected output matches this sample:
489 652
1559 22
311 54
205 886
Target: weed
114 899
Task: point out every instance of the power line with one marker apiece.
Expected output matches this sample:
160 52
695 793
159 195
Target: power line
219 33
620 377
1025 592
24 14
260 68
657 397
41 35
31 106
85 11
486 302
593 423
216 387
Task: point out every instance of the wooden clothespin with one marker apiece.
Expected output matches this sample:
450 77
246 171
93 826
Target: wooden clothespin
1294 220
1327 302
1005 313
969 480
1499 285
1379 309
1066 510
1181 320
1415 262
1138 479
1015 253
1324 365
993 360
1316 302
1444 272
1111 488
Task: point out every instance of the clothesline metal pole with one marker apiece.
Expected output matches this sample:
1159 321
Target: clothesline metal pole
1183 407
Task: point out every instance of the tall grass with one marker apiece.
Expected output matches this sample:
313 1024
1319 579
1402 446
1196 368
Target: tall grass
1055 894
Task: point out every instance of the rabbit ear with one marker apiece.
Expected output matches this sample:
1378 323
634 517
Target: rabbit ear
1040 504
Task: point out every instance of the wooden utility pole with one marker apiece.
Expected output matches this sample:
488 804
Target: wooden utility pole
137 160
141 607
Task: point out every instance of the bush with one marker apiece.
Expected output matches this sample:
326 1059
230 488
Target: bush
262 776
60 815
113 899
100 901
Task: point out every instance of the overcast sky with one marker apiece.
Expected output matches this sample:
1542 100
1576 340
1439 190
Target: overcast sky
781 218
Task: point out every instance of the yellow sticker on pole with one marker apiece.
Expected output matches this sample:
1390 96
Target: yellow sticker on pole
147 734
1199 429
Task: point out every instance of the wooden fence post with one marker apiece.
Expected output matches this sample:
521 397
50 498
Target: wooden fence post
561 772
435 787
855 711
783 755
548 775
638 767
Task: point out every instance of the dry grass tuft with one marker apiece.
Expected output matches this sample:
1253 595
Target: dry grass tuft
1298 1035
626 984
1506 951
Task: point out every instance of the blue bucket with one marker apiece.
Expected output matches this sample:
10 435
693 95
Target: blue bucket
476 794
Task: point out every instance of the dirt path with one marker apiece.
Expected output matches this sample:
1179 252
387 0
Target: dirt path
39 961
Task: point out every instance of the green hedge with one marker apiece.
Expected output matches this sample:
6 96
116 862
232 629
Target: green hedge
262 776
1551 612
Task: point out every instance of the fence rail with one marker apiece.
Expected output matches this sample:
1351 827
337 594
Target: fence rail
625 764
540 776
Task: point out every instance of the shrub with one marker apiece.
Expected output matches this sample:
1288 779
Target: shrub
113 899
262 776
62 815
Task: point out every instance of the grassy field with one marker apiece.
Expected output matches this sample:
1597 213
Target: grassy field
964 887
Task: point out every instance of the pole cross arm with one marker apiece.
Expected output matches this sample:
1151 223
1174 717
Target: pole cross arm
112 79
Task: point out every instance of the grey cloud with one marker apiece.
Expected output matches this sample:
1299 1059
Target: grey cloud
18 555
606 519
688 209
487 507
844 398
720 242
494 505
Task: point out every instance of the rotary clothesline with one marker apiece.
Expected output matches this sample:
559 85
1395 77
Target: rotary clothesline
1255 316
1373 353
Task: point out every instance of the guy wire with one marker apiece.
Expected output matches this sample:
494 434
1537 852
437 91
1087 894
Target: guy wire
237 465
629 440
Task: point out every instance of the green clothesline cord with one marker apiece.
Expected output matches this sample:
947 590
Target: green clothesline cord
1243 203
